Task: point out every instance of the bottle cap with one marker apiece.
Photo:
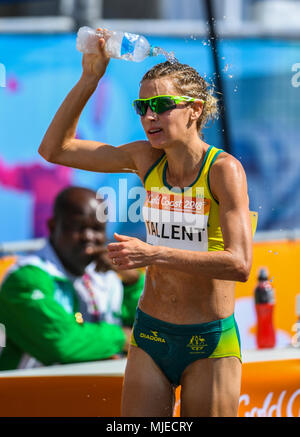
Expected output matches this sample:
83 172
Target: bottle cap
263 274
298 304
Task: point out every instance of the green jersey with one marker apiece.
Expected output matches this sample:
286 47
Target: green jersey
52 317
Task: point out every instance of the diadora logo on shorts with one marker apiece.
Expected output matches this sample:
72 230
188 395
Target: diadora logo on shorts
153 337
197 343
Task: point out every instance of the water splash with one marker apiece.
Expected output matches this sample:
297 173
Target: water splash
170 56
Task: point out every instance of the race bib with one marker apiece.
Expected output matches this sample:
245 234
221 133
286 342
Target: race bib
177 220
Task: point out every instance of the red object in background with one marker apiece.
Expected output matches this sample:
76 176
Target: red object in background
264 305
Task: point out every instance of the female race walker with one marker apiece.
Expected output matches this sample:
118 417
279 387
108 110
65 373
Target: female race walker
199 239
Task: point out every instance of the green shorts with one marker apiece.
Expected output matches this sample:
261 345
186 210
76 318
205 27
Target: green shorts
174 347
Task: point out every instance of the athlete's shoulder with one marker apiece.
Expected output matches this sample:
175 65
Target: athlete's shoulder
226 162
144 148
144 156
227 176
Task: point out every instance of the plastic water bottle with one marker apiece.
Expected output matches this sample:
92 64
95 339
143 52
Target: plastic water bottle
119 45
264 305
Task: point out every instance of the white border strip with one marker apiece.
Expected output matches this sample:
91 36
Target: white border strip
38 243
105 368
158 27
117 367
22 246
55 24
284 235
199 28
274 354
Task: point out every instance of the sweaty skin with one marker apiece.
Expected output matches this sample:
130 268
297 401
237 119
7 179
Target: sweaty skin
182 286
190 287
183 298
176 291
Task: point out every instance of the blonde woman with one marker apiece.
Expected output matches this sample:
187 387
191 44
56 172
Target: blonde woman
199 239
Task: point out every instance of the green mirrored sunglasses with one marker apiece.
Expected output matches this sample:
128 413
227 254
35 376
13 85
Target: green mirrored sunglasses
160 104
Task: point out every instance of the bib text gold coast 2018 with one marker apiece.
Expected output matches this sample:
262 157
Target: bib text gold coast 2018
160 427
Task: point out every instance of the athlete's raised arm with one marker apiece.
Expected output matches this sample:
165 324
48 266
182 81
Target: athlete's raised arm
59 144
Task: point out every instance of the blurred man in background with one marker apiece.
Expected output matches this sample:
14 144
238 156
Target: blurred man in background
65 303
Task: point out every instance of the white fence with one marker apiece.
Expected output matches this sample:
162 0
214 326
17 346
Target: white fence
10 247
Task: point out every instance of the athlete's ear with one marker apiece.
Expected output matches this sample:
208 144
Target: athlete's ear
197 107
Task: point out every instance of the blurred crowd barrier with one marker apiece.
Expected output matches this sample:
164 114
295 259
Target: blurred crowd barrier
94 389
270 388
281 257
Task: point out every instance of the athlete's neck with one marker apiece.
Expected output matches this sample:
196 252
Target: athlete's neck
184 163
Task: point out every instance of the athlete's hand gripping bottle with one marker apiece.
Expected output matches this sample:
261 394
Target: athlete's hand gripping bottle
119 45
264 305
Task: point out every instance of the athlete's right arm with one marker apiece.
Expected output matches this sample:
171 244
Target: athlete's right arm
59 144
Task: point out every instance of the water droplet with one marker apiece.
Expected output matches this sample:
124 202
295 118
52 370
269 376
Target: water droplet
275 253
230 76
270 251
260 207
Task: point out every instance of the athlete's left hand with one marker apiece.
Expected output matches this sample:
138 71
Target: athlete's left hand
129 252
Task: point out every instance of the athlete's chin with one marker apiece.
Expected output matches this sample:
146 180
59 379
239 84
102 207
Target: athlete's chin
158 144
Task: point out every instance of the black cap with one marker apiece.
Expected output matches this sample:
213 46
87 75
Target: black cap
263 274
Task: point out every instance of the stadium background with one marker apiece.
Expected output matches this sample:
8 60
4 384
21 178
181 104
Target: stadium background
258 50
259 63
262 107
